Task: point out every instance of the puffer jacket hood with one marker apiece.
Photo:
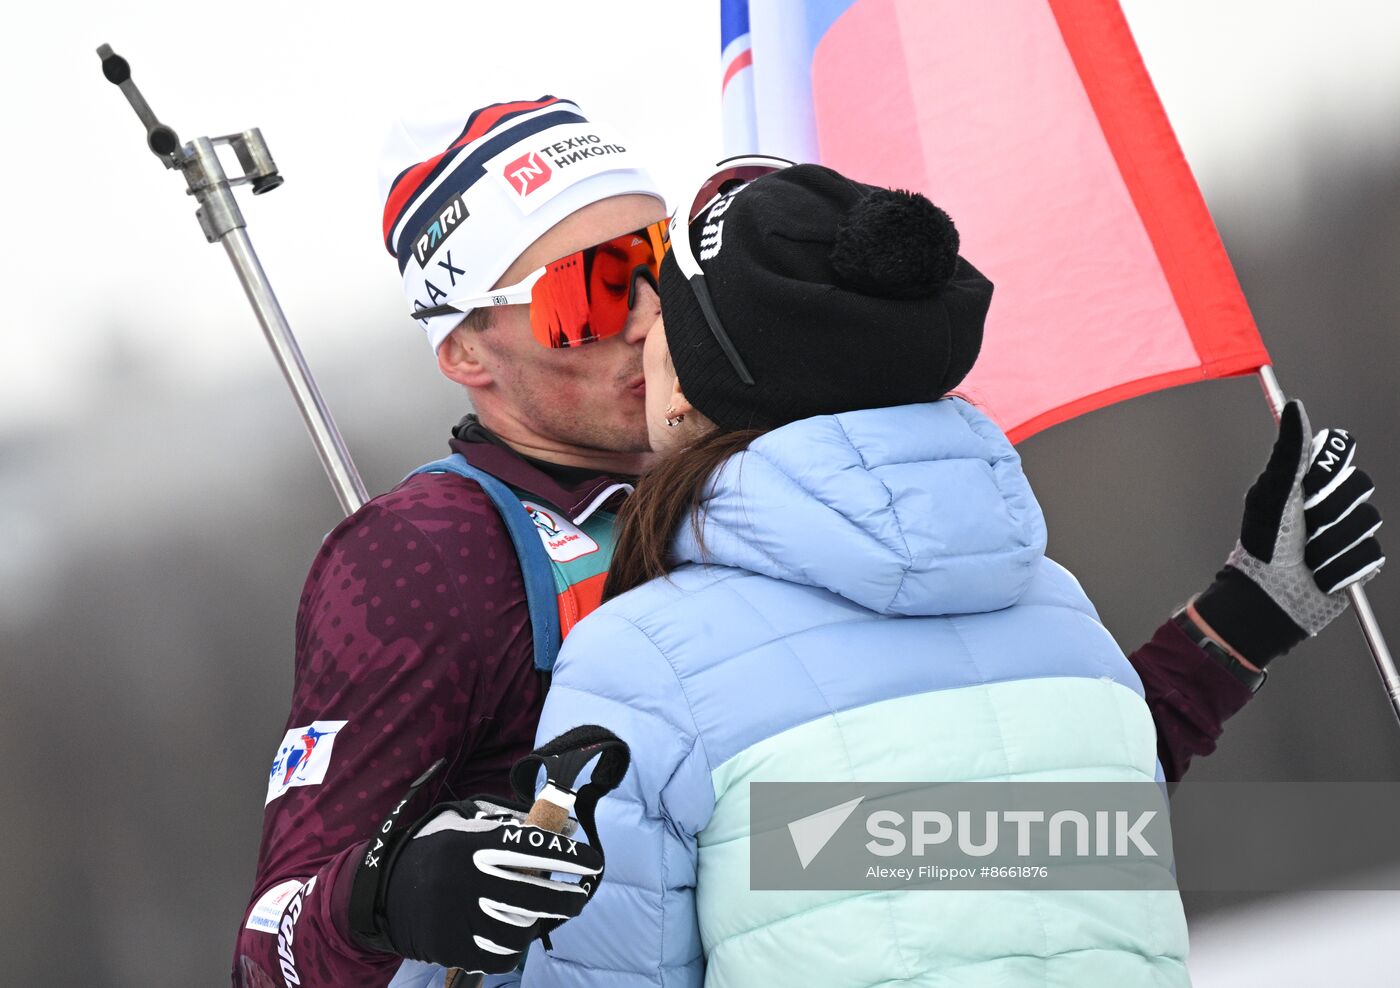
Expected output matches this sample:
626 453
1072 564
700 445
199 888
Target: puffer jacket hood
910 510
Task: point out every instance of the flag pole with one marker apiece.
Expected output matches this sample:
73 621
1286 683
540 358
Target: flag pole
1380 652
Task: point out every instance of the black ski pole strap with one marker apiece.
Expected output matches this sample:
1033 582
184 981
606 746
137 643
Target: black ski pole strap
585 809
565 758
367 891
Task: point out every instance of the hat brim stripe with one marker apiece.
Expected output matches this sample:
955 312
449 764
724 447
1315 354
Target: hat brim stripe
466 171
413 179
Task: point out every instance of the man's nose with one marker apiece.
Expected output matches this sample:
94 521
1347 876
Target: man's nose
646 306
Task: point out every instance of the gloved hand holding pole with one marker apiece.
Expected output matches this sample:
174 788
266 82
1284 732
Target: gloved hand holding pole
1307 547
468 886
563 760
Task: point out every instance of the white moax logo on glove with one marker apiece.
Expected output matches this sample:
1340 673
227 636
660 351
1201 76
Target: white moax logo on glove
303 757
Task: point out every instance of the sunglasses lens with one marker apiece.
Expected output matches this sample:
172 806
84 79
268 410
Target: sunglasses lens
588 295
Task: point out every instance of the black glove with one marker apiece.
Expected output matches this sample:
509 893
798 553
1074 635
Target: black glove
467 886
1308 533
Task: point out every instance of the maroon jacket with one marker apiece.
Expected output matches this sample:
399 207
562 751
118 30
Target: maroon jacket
413 630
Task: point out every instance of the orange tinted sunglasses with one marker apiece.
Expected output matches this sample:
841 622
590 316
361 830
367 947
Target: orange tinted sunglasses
581 297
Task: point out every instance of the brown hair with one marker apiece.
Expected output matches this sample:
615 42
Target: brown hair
478 319
649 518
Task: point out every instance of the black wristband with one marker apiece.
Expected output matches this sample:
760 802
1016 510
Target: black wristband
365 910
1241 613
367 889
1205 643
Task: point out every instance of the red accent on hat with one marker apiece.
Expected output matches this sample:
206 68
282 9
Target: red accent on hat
407 185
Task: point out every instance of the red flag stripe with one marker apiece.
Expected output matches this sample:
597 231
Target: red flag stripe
735 67
1162 188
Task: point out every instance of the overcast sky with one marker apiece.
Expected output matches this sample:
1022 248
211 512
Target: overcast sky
105 266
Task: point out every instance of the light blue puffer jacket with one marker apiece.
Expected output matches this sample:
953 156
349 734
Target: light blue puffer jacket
876 605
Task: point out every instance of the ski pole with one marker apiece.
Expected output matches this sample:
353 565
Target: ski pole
222 222
1360 603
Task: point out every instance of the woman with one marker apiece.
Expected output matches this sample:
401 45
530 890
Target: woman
836 574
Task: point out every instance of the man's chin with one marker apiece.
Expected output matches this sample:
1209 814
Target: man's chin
637 446
631 439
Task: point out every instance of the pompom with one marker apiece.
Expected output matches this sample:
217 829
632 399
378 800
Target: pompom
895 244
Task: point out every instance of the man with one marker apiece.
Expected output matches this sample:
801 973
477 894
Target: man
414 643
413 635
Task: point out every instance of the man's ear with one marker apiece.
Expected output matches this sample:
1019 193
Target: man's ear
459 358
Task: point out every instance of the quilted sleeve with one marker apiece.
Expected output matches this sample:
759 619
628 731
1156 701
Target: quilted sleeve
641 927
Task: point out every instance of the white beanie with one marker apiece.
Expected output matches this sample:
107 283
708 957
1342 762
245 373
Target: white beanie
462 201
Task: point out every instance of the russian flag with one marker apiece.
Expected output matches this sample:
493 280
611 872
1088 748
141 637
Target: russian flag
1035 125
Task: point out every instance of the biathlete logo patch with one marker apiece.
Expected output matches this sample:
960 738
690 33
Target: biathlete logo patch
303 757
563 540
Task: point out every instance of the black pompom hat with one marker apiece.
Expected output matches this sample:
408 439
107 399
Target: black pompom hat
836 294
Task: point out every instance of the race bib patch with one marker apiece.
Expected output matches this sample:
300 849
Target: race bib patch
303 757
563 540
267 911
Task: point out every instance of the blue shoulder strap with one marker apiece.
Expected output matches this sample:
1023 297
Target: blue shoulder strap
535 566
